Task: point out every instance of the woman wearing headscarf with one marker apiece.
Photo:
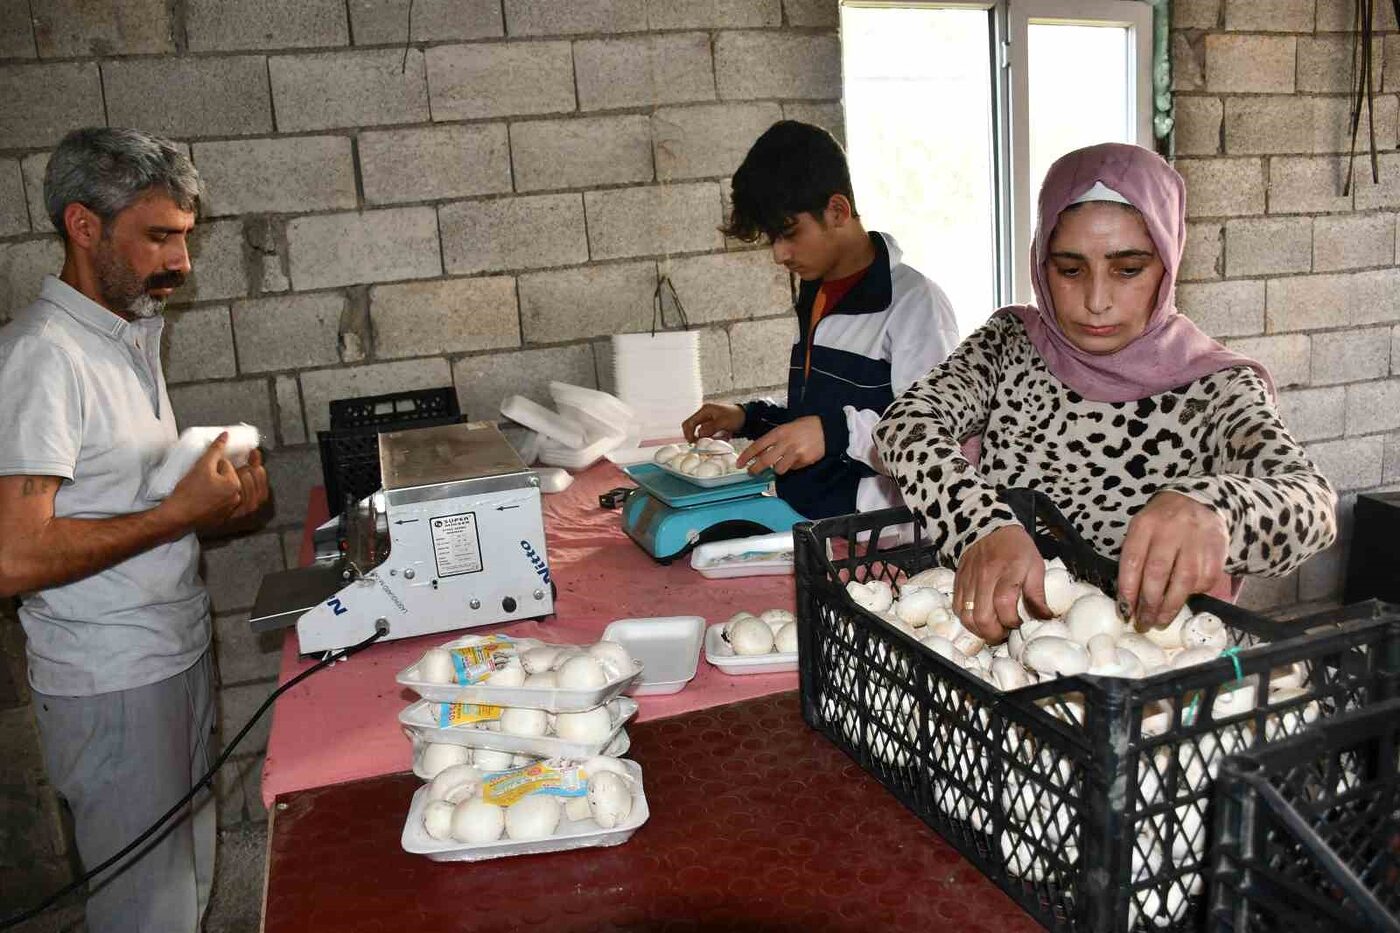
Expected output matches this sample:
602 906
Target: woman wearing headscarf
1162 447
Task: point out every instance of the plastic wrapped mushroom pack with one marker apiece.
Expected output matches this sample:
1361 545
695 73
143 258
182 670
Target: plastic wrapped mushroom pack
496 782
1087 636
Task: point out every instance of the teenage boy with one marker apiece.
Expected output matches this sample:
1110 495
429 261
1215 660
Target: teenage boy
869 326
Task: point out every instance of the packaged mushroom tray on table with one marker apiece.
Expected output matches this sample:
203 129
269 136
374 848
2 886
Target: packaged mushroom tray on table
1073 763
520 743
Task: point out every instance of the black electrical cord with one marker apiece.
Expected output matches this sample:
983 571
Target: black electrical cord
380 631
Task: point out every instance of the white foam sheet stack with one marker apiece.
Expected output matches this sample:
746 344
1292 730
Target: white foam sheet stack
658 375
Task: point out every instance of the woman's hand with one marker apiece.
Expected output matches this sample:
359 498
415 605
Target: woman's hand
1175 547
992 575
792 446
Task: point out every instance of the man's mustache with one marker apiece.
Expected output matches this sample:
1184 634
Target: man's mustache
165 280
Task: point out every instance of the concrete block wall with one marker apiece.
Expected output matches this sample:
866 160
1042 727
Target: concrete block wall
480 206
1281 263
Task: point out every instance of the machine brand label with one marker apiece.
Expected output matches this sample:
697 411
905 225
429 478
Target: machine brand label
337 608
536 560
456 544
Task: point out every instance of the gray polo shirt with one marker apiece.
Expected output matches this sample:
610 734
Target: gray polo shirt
82 397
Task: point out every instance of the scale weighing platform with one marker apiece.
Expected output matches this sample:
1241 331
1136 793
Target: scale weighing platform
668 516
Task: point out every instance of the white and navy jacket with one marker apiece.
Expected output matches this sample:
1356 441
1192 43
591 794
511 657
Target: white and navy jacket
887 332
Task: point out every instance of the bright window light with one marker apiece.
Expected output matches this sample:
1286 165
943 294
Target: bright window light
919 113
1079 91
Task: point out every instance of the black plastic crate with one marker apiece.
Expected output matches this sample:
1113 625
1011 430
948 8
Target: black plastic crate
1308 830
350 449
1056 791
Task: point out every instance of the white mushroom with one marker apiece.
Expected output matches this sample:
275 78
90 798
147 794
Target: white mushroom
877 595
1060 590
1008 674
1103 654
730 462
1236 700
532 817
613 657
751 636
609 799
512 675
576 808
437 757
475 821
488 759
1204 630
437 819
709 469
1169 636
945 648
776 618
914 607
1091 615
734 620
969 643
1294 675
668 453
688 463
538 659
589 726
436 667
786 639
520 721
938 578
1147 651
455 783
583 672
714 445
544 680
1193 656
1050 654
1130 665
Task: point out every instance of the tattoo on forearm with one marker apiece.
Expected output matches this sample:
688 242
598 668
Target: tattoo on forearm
35 486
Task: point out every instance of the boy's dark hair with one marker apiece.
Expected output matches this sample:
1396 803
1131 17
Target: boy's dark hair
792 168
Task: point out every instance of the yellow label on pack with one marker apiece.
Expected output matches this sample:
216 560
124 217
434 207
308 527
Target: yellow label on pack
555 778
463 714
472 664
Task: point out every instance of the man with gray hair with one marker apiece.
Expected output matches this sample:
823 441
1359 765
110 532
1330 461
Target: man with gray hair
116 615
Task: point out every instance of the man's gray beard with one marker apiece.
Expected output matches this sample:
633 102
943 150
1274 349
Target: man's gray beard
145 306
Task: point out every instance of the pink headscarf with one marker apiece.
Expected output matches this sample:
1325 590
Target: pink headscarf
1172 350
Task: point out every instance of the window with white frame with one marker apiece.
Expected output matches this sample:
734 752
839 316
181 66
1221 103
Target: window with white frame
954 111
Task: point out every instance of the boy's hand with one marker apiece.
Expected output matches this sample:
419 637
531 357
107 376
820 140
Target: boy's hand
713 419
792 446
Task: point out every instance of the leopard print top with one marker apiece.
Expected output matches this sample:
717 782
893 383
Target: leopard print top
1218 440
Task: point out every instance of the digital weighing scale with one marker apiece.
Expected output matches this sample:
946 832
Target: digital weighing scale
668 516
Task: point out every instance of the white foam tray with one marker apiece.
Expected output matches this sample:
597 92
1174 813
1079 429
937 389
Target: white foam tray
571 834
705 559
420 721
555 700
667 646
535 416
616 749
718 653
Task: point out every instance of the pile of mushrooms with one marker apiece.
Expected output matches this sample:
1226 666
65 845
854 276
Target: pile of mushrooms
458 810
528 662
772 630
1087 636
708 457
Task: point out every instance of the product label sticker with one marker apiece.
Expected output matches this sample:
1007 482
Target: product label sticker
472 664
554 777
466 714
456 544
